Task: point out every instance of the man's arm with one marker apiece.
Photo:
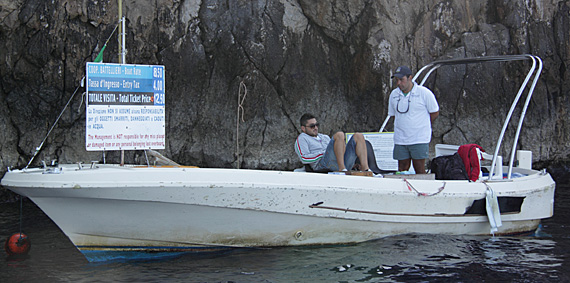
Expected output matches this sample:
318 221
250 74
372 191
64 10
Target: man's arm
433 115
303 152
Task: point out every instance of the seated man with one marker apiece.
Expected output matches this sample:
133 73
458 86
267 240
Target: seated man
326 154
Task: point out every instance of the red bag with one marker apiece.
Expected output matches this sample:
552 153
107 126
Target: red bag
468 153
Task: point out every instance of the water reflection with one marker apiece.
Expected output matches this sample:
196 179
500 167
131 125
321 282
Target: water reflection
441 257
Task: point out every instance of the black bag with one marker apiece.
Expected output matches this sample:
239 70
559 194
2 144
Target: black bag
449 167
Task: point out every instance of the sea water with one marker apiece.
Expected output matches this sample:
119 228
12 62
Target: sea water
542 257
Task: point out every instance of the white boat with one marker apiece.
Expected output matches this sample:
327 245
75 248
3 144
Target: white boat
114 211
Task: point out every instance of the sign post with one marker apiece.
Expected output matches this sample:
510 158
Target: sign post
125 107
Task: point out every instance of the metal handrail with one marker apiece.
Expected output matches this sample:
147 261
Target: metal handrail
509 115
523 113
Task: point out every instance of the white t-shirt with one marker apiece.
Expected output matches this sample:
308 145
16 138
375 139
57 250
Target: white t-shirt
412 124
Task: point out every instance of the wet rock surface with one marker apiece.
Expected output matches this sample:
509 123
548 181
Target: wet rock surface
331 58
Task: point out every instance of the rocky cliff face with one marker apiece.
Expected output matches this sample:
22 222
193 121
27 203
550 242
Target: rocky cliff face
332 58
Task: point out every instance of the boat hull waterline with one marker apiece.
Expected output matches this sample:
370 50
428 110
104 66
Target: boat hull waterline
110 209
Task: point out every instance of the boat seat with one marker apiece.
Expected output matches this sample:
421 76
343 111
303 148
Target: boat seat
307 168
302 169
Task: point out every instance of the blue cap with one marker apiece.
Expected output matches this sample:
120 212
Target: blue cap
402 71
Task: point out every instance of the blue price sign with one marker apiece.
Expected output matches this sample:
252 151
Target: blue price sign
125 107
122 84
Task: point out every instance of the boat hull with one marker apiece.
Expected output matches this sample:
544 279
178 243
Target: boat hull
112 209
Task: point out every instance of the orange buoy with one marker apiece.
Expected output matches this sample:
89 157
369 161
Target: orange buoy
17 244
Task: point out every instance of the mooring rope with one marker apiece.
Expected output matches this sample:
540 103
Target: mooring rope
21 214
240 109
411 188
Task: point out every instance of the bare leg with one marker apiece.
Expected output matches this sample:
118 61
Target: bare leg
361 151
339 149
404 165
419 166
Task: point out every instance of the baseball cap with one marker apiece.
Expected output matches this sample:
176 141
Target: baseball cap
402 71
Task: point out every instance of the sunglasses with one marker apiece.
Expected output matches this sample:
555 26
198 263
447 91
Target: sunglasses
312 126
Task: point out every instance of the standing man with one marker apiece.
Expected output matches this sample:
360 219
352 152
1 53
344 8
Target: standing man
326 154
414 108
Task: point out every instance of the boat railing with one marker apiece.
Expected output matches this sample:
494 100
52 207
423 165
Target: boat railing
431 67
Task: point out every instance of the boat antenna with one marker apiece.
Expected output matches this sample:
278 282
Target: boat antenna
122 53
121 38
66 105
52 127
99 58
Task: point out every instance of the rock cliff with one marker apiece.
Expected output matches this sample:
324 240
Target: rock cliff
332 58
